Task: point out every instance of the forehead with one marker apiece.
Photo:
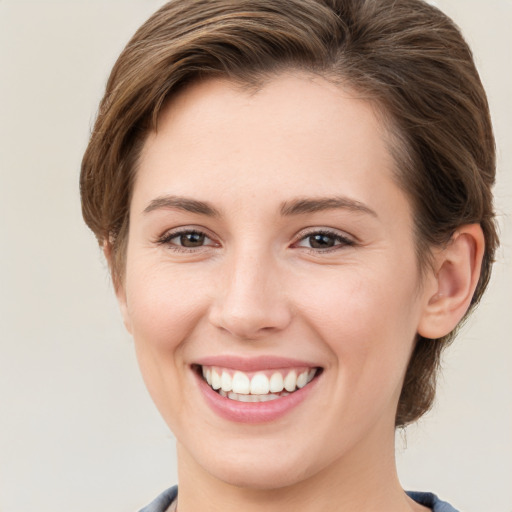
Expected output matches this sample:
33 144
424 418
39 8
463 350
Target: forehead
300 104
299 132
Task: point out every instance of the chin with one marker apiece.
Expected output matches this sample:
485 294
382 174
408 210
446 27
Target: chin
263 468
256 478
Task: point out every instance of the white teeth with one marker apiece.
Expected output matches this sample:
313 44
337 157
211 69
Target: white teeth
216 383
260 387
290 381
302 379
241 383
260 384
276 383
225 382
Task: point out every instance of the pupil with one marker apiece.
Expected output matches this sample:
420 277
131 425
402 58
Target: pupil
192 239
321 241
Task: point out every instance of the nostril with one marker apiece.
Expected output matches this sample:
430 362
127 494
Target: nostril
251 323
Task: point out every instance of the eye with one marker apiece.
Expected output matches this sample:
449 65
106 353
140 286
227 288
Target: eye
192 239
324 240
186 239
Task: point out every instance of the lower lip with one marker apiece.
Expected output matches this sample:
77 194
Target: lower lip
253 412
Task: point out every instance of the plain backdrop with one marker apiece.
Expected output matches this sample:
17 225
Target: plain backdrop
78 431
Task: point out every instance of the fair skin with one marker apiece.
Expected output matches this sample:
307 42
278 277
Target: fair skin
267 235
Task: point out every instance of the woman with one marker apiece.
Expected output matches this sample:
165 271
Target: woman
295 202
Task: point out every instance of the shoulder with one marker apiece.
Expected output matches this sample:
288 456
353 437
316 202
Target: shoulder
161 502
432 501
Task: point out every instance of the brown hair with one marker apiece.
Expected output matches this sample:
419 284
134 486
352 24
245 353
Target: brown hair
405 56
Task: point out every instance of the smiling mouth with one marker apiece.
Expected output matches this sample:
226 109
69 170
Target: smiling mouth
260 386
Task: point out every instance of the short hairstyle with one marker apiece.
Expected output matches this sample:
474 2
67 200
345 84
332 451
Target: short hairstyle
405 56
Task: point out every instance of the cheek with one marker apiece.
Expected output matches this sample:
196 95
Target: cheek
367 318
369 330
163 306
356 300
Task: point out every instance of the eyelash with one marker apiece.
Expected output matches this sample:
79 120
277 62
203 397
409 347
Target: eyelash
167 238
340 241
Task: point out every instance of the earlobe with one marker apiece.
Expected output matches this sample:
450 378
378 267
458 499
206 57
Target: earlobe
118 288
457 270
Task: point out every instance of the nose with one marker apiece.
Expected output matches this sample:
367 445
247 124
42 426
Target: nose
250 300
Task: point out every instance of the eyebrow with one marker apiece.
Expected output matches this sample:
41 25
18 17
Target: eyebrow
312 205
182 203
288 208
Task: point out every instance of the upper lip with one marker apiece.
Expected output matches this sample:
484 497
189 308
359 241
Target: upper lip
254 364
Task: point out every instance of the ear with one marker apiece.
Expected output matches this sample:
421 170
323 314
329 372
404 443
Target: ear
119 288
455 276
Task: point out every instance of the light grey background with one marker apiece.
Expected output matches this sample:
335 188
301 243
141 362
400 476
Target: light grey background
77 429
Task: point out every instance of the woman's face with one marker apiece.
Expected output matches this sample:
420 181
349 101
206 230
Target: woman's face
270 249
